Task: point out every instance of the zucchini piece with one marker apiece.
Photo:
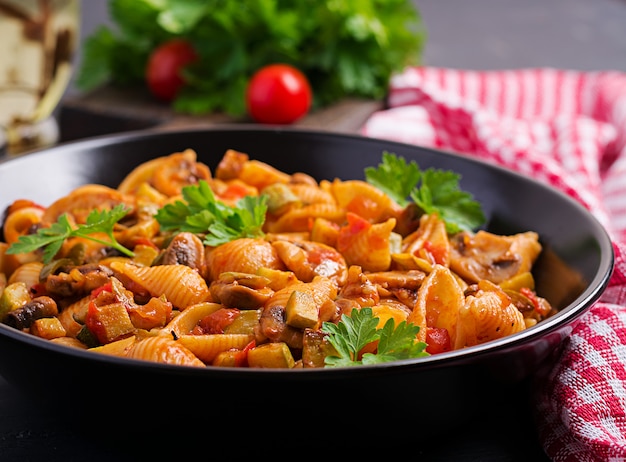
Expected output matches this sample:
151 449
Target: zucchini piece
271 355
301 310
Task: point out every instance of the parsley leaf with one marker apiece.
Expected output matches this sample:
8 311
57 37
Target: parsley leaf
354 332
440 193
52 238
433 190
395 177
396 343
202 213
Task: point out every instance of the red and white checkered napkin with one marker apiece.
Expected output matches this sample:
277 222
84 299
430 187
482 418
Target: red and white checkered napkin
567 129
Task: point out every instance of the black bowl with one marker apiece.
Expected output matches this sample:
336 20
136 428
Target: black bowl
94 388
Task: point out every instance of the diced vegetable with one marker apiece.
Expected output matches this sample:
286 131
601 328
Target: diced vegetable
109 322
13 296
271 355
47 328
301 310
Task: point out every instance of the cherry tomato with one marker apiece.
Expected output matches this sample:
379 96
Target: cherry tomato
163 72
278 94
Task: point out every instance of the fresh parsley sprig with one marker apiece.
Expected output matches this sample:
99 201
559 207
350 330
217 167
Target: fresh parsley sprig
202 213
52 238
352 333
433 190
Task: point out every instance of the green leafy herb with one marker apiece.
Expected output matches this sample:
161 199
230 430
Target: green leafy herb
395 177
353 332
202 213
52 238
433 190
344 48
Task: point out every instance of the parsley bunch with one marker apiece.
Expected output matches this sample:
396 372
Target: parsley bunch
202 213
433 190
344 48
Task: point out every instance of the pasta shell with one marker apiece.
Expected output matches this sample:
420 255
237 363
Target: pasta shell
235 164
73 315
260 174
487 315
117 348
181 285
362 198
207 347
19 222
439 301
187 320
245 255
82 200
369 247
300 218
28 273
321 289
312 194
178 170
163 350
430 241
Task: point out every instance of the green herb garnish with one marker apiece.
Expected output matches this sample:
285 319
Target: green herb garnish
433 190
353 332
202 213
52 238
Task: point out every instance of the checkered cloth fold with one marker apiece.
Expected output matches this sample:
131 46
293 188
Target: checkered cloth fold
567 129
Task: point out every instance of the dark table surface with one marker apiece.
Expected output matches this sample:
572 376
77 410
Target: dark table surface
28 433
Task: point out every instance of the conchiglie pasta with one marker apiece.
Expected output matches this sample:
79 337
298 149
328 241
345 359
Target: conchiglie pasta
245 255
163 350
362 198
439 302
311 194
487 315
178 170
19 222
430 241
367 245
28 273
301 218
207 347
83 200
184 322
181 285
72 317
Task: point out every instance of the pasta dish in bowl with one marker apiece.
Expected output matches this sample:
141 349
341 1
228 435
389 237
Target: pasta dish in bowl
217 258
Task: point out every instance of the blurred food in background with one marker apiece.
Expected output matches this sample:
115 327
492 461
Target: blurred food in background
345 49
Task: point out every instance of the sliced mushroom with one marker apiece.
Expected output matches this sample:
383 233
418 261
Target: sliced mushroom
37 308
185 249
